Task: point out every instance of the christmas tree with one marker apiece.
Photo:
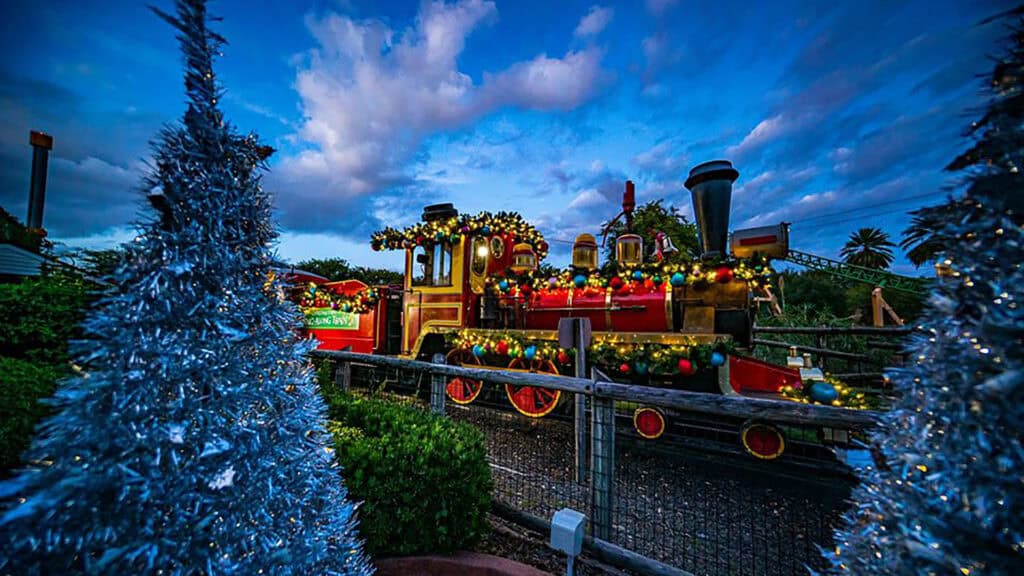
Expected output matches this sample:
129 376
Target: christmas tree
946 493
193 440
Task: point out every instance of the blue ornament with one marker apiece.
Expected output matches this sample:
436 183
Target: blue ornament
485 229
346 308
580 280
638 275
678 279
823 392
640 368
717 358
478 351
530 352
312 289
503 285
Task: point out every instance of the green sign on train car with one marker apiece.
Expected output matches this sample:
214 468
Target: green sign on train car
320 318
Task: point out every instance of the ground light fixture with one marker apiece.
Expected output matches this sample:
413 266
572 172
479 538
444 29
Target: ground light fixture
567 534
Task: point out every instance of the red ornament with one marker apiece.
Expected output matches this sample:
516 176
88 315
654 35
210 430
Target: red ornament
502 348
615 283
723 275
563 358
624 368
526 289
649 284
685 367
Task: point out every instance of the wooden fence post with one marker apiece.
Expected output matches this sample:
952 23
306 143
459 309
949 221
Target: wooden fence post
343 376
602 465
437 388
581 401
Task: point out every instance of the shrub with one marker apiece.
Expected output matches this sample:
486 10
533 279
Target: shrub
22 385
40 316
424 480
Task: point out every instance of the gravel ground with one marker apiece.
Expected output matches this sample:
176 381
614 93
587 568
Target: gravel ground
704 516
525 546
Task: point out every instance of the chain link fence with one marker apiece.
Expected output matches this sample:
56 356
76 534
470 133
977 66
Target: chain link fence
688 509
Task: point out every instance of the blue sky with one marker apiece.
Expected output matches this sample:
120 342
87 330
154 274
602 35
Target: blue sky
837 114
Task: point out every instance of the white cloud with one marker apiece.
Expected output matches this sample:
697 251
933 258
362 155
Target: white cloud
594 22
586 199
662 159
547 83
371 94
765 131
658 7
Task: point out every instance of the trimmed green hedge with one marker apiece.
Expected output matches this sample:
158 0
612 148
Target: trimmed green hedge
22 385
39 316
424 480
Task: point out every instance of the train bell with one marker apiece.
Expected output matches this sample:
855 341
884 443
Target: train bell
663 246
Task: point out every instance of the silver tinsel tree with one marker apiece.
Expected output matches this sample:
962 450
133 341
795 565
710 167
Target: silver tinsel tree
946 495
193 441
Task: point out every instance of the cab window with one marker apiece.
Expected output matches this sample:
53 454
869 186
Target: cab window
422 266
432 266
443 264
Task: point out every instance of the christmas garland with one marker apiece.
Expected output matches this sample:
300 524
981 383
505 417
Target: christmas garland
508 224
361 302
642 279
616 354
831 392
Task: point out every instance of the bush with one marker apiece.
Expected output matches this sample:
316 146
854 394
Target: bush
40 316
22 385
424 480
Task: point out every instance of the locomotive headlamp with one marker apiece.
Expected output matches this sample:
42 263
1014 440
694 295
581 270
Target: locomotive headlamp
629 250
523 259
482 251
584 252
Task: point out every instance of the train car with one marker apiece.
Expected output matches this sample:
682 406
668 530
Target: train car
473 293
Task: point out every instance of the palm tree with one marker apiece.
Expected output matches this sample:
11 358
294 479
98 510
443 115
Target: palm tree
868 247
927 238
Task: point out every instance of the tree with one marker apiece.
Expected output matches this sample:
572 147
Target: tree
651 218
193 442
340 269
868 247
945 493
923 240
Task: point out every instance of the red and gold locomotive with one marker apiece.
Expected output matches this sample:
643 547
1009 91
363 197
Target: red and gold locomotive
473 292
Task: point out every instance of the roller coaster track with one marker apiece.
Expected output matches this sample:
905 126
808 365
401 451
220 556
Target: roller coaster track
886 280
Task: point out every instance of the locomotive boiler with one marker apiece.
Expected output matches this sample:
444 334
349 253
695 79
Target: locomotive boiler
473 291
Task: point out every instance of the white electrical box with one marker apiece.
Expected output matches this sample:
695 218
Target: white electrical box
567 531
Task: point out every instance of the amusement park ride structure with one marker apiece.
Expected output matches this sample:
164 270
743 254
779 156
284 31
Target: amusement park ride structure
471 293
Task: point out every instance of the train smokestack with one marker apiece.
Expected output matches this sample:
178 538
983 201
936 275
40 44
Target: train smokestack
710 186
41 146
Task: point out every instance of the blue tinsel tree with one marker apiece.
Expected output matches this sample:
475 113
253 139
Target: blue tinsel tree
946 495
193 441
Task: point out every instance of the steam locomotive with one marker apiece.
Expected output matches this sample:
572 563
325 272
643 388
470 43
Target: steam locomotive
473 292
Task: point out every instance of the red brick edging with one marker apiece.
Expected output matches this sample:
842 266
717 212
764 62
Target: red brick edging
461 564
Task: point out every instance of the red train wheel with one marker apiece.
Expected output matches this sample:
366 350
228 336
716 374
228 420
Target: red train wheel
533 401
648 422
462 390
763 441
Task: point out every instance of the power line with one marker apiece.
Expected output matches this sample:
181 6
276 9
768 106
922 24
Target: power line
860 217
871 207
